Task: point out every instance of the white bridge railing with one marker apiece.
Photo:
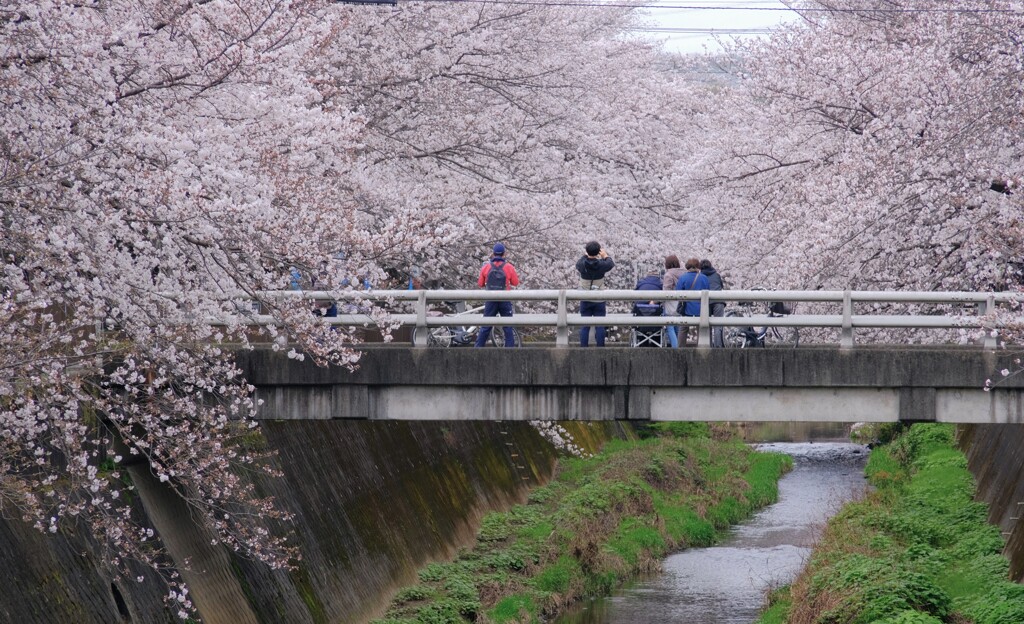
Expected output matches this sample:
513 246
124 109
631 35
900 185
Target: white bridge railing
978 310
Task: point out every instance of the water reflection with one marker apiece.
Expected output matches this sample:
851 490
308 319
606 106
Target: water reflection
726 584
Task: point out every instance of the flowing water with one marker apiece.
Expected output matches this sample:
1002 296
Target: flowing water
726 584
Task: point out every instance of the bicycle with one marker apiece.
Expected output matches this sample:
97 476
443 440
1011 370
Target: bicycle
460 336
750 337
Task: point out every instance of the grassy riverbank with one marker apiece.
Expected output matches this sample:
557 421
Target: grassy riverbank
917 550
598 522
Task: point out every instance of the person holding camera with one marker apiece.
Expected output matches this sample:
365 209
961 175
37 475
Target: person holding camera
592 268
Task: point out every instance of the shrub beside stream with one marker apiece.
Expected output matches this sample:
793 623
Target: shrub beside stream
917 550
600 521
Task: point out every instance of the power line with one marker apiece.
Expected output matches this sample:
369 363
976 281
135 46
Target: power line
682 11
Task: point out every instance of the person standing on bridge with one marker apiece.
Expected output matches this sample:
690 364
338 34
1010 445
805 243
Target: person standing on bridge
593 267
673 271
497 274
717 307
693 279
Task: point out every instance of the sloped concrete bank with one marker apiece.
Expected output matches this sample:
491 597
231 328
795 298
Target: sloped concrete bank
373 502
59 578
995 455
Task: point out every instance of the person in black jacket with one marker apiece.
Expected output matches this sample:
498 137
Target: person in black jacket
717 307
592 268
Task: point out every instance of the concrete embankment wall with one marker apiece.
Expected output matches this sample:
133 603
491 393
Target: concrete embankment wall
48 579
372 502
995 454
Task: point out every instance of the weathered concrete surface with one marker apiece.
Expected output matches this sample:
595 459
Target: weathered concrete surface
776 404
372 502
212 584
48 578
813 384
995 456
375 501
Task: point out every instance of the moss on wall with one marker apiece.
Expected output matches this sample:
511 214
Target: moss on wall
372 503
61 578
375 501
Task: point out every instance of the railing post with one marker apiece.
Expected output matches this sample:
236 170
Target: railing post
704 325
420 332
846 335
562 323
991 338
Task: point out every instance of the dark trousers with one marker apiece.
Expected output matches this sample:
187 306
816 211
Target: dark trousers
684 331
717 339
496 308
717 333
592 308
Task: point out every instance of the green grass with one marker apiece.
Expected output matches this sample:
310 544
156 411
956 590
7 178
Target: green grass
918 550
634 539
599 522
679 429
684 526
779 602
556 577
513 608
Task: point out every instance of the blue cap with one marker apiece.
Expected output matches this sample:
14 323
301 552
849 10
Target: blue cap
499 249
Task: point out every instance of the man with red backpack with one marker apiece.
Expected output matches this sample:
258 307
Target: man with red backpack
497 274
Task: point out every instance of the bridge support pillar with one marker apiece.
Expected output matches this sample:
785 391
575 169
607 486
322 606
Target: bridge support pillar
638 403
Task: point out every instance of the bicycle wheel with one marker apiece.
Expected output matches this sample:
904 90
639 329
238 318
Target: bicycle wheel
436 336
785 337
498 337
736 337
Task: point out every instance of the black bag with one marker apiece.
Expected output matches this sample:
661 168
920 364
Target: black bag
780 307
496 278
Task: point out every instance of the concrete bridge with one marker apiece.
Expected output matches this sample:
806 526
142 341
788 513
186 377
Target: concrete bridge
868 384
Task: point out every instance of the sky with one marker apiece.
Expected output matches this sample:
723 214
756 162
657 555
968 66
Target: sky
754 17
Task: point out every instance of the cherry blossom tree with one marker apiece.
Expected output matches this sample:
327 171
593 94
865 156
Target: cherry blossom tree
542 127
164 163
875 144
161 163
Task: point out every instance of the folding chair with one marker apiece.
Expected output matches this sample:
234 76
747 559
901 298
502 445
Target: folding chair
647 335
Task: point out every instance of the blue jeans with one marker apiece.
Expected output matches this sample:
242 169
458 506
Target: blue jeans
496 308
673 338
592 308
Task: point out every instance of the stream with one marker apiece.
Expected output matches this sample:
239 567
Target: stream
726 583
